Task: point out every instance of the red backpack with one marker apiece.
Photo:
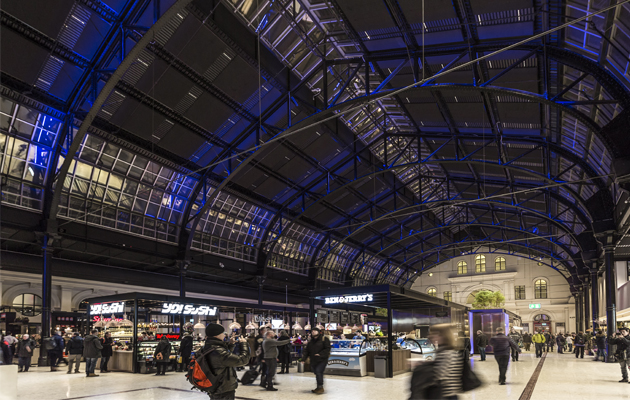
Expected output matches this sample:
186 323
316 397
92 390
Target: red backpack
200 373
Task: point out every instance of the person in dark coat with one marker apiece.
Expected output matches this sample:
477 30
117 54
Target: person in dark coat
502 345
107 351
284 353
185 349
527 341
260 355
162 355
56 353
516 338
25 353
74 348
622 341
560 341
481 342
318 349
600 341
91 352
580 342
223 361
7 353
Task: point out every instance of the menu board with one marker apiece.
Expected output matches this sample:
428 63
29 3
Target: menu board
322 317
333 316
345 318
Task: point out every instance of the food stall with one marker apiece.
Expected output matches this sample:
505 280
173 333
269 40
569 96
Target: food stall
384 311
488 321
127 316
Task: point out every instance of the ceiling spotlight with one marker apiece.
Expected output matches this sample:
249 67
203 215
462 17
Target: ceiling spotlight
430 273
221 265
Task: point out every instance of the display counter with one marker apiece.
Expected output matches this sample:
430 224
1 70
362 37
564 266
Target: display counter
400 362
121 361
146 349
421 349
347 357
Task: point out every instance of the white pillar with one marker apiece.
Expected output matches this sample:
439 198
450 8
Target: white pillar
66 299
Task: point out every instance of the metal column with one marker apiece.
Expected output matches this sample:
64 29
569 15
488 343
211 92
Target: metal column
611 294
390 340
577 312
46 294
581 310
594 297
587 307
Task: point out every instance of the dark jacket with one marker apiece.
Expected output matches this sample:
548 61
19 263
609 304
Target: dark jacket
164 348
547 337
186 346
623 346
223 362
92 347
7 355
600 340
579 338
516 337
286 349
318 349
60 344
258 345
75 345
501 345
23 344
481 340
560 340
107 343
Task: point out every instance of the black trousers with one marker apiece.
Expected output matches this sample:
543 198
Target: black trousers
272 367
161 367
514 354
54 358
285 361
503 364
223 396
318 369
579 351
263 373
539 349
104 361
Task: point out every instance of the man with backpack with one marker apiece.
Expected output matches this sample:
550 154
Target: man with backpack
580 342
54 346
622 340
222 362
539 341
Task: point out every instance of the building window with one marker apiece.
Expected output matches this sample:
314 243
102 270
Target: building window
540 289
448 296
499 264
432 292
28 304
462 268
519 292
480 263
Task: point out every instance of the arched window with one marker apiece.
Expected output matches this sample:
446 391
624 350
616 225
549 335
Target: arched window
499 264
28 304
432 291
540 289
480 263
462 268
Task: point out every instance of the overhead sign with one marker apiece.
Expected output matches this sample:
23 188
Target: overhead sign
107 308
533 306
359 298
188 309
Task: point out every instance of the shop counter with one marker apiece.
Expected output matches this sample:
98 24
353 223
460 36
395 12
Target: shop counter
122 360
400 362
347 357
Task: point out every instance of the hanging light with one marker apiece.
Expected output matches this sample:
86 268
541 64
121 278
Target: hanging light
125 322
99 324
199 325
307 327
111 324
320 326
251 325
355 327
234 324
297 326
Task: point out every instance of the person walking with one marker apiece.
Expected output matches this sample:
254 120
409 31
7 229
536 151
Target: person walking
284 353
502 345
162 355
11 341
270 347
25 353
580 342
260 355
560 342
318 349
481 342
91 352
107 352
223 361
622 341
516 338
185 350
548 344
6 354
539 342
527 341
54 346
74 348
600 341
569 340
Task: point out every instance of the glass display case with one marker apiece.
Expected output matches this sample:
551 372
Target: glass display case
146 349
347 357
422 348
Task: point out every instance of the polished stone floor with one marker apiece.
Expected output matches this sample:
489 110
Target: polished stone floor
563 377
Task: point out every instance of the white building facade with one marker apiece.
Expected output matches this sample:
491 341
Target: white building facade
522 281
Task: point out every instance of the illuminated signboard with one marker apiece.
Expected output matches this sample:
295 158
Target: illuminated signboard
533 306
107 308
187 309
359 298
170 336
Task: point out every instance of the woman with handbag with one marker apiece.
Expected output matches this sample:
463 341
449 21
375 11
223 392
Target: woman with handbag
162 355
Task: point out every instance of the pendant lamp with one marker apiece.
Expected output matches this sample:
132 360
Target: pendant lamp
297 326
307 327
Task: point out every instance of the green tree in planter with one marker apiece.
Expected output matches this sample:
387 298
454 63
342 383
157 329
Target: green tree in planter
488 299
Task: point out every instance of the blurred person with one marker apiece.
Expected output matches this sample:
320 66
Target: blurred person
580 342
560 342
481 342
223 360
516 338
74 348
600 341
162 355
270 348
569 341
12 342
260 355
54 347
284 353
622 354
527 341
547 336
539 342
6 354
502 346
358 336
318 349
185 350
107 352
91 352
25 353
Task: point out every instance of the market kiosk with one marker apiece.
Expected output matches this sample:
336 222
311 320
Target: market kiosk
488 321
383 311
126 316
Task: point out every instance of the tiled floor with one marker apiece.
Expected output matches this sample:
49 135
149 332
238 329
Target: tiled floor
562 377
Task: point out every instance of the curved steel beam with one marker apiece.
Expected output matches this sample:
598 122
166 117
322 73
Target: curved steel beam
116 76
